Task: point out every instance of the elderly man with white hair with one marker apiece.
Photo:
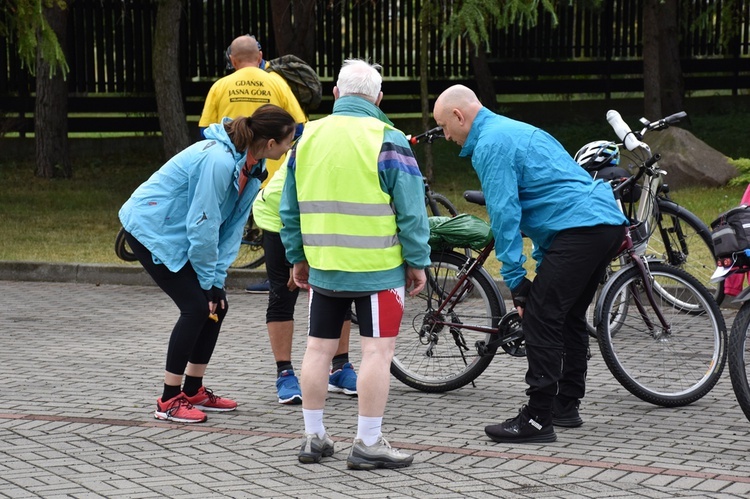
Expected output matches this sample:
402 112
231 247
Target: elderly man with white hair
356 230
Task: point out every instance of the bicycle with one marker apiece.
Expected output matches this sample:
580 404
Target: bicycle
250 254
435 202
738 262
459 321
670 233
739 353
676 358
676 236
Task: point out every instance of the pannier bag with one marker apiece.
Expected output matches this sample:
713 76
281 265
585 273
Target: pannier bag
730 233
461 231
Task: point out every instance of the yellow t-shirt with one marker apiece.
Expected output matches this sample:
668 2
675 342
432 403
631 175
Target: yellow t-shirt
244 91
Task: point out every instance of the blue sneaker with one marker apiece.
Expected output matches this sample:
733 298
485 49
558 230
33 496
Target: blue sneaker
288 387
343 380
259 288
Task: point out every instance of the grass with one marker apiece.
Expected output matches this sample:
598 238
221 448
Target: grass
76 220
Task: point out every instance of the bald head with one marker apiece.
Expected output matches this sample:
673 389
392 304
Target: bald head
245 52
455 110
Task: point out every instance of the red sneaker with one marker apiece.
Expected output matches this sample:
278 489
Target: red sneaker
178 409
207 401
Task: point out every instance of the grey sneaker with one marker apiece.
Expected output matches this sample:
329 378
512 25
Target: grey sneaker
378 455
314 448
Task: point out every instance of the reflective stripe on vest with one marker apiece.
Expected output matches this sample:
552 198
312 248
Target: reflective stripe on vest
346 219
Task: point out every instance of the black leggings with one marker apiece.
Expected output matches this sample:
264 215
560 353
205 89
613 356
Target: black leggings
194 335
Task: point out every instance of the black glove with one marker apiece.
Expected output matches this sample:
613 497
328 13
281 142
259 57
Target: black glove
520 293
216 295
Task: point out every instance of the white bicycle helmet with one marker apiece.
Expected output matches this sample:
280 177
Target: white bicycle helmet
598 154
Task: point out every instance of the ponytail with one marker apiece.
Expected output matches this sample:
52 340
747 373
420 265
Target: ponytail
267 122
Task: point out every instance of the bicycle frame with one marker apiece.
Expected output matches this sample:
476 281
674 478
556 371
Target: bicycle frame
642 265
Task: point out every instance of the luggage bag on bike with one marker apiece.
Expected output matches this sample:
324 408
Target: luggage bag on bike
730 234
461 231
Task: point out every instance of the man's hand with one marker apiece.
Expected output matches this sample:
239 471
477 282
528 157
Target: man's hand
301 272
290 284
415 279
519 294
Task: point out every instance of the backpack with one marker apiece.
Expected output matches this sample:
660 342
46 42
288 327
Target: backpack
301 78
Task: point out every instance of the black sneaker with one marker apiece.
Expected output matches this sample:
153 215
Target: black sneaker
522 428
565 414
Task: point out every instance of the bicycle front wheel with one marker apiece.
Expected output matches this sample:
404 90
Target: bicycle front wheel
437 349
739 353
682 239
669 367
251 253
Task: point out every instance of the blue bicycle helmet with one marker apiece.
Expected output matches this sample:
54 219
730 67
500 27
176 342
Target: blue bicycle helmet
597 155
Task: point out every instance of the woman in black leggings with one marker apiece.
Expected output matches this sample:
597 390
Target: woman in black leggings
184 224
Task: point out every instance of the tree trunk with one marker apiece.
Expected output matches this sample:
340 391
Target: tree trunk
51 107
651 94
294 28
168 77
483 76
663 83
672 87
424 92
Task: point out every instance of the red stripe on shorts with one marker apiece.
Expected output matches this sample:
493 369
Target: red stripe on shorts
387 311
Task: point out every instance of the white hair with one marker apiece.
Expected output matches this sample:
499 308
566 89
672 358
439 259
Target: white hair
360 78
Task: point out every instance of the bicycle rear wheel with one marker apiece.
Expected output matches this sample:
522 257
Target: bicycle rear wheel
251 253
682 239
668 368
739 353
440 205
432 356
122 249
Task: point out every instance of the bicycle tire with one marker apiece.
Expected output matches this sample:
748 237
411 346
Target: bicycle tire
682 240
738 353
434 199
122 250
438 358
669 369
250 254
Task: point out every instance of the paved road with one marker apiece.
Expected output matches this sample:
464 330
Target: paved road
81 366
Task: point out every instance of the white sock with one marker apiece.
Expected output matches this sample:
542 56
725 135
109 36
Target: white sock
368 429
314 422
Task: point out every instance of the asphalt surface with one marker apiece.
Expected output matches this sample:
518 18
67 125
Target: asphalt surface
81 362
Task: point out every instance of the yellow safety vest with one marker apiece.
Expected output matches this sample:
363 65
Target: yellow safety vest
346 219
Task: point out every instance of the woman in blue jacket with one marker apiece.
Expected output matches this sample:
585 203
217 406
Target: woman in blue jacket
184 224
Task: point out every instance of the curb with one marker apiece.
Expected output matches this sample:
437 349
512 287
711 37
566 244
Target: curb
126 275
129 275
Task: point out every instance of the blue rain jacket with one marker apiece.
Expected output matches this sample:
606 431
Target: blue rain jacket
532 185
191 210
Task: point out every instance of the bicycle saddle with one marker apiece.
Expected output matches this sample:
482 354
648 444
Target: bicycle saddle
476 197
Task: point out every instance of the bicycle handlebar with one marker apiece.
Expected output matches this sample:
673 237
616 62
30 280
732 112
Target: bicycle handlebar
633 140
623 131
429 136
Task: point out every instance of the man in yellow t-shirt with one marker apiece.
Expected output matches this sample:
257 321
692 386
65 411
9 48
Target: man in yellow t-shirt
248 88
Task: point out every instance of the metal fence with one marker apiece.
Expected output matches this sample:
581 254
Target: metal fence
109 49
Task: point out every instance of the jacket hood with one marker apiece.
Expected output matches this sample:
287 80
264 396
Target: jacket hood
216 132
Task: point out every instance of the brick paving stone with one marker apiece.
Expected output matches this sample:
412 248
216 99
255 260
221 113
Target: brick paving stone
61 434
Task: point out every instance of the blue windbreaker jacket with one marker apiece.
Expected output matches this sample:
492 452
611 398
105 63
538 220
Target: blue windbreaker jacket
190 209
532 185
